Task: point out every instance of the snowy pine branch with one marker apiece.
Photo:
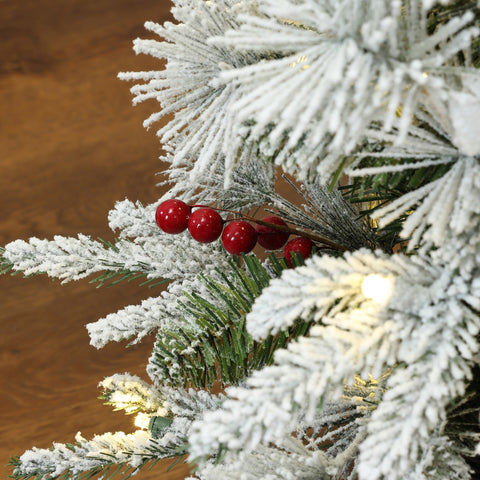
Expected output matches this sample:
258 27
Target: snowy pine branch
323 210
153 253
76 258
447 204
291 461
429 323
202 126
190 403
353 366
324 286
132 394
69 258
207 341
326 447
136 321
120 452
326 213
439 200
244 74
338 69
251 185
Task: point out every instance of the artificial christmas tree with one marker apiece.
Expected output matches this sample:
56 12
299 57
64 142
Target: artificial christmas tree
360 361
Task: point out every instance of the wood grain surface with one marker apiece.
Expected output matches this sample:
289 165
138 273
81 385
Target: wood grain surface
71 145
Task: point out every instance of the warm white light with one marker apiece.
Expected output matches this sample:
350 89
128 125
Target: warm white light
142 421
123 401
377 288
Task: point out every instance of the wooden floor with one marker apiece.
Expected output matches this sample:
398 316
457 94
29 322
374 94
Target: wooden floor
71 145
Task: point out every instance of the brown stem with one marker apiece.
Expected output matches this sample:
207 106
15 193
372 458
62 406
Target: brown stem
283 228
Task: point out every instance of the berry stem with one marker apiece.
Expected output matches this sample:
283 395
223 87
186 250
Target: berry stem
282 228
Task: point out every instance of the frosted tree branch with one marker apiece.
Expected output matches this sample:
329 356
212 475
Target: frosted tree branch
446 207
152 252
340 67
429 319
131 450
202 126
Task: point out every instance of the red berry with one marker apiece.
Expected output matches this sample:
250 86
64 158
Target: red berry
299 245
205 225
269 237
239 237
172 216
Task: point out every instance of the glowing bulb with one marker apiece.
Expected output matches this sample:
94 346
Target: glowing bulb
377 288
142 421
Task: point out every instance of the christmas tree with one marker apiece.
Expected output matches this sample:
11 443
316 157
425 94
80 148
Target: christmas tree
346 345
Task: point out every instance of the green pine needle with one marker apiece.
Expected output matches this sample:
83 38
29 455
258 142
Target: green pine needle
223 351
5 265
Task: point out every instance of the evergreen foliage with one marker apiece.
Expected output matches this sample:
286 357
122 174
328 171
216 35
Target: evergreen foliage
375 108
218 348
84 460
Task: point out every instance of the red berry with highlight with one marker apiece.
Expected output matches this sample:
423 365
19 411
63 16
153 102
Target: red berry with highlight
172 216
299 245
239 237
205 225
269 237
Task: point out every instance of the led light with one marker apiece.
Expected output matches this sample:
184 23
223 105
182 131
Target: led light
377 288
142 421
123 401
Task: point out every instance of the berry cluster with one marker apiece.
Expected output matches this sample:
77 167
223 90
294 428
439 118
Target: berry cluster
238 236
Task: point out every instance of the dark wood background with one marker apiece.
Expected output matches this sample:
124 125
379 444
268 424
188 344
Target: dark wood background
71 145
